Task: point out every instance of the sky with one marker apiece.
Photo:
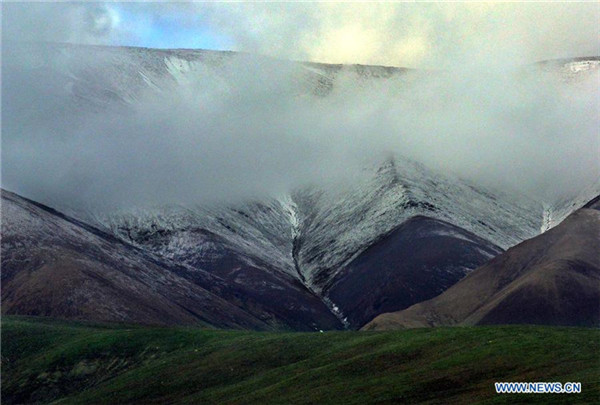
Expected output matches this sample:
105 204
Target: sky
425 35
243 131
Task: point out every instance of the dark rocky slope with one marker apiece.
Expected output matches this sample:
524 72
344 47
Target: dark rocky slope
552 279
418 260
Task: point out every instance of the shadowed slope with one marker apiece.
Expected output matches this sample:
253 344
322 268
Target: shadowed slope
551 279
417 261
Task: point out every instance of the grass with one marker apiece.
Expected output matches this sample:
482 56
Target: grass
84 363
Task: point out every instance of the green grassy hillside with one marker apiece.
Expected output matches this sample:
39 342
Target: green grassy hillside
68 362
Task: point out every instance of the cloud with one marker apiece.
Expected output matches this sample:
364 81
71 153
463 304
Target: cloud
411 34
425 35
59 22
248 129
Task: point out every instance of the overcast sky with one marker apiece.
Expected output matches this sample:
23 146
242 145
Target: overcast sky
400 34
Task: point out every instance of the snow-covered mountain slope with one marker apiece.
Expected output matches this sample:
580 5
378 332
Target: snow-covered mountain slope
92 78
259 231
325 227
339 223
315 233
57 266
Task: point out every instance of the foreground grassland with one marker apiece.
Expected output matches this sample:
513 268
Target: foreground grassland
67 362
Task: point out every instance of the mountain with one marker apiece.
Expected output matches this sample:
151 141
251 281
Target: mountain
326 255
318 236
570 69
54 265
552 279
347 243
84 78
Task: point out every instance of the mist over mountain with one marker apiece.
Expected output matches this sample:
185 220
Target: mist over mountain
324 181
114 127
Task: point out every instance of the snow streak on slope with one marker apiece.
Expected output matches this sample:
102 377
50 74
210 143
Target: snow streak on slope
555 213
572 70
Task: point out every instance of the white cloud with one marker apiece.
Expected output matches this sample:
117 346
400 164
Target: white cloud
253 135
413 34
402 34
